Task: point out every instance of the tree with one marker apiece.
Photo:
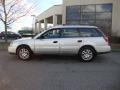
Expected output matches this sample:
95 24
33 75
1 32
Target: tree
11 11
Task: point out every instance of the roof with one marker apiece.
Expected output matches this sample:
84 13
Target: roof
75 26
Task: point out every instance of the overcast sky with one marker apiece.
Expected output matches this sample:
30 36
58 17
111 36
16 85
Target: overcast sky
39 7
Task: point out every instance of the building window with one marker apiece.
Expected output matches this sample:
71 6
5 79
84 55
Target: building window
73 9
104 8
73 13
103 16
98 14
87 22
73 16
87 16
88 8
73 22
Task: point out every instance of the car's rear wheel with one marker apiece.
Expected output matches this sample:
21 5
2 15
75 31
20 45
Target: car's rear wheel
87 54
24 53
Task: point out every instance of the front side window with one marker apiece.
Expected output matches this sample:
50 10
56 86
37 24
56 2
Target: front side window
8 32
12 33
89 32
70 32
54 33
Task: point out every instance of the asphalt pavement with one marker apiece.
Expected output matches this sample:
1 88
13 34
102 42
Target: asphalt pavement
59 73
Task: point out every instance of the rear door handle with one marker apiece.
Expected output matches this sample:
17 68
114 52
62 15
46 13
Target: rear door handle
55 41
79 41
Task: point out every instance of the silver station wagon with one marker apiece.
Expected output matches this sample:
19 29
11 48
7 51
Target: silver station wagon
83 41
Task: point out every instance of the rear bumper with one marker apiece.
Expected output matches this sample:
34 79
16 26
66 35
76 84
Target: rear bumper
104 52
103 49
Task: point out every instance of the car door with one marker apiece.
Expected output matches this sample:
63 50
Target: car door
70 41
48 42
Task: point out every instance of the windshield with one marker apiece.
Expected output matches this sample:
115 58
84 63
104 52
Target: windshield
37 35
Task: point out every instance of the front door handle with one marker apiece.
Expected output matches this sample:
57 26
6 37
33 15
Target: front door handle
55 41
79 41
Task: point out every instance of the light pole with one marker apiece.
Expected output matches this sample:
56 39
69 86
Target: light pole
33 22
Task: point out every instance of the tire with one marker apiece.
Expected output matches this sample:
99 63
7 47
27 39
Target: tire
87 54
24 53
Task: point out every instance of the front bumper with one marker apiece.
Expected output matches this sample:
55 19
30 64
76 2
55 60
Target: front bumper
12 50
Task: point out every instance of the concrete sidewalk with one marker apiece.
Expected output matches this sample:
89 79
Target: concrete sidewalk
115 47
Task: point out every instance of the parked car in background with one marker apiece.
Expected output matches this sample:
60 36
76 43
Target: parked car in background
10 35
84 41
26 33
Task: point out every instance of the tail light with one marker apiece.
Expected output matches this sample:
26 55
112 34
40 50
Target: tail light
106 38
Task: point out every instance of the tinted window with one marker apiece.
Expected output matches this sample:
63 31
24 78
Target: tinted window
12 33
70 32
51 34
8 32
89 32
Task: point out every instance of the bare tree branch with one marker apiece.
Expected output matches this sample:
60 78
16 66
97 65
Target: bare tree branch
13 10
13 5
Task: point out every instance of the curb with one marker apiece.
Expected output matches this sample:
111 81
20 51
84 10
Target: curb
116 50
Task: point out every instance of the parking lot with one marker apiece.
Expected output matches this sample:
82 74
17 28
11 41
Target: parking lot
59 73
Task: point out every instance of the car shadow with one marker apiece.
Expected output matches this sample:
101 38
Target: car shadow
64 59
60 59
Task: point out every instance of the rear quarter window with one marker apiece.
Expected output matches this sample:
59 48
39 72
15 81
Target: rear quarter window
90 32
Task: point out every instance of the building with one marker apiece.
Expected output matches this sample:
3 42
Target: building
103 13
51 16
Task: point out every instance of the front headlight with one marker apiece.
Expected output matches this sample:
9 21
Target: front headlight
13 43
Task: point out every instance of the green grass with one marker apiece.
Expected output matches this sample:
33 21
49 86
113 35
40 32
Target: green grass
4 45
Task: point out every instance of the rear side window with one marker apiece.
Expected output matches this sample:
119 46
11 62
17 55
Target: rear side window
70 32
90 32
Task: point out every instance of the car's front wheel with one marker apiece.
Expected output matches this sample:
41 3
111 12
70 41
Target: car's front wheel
87 54
24 53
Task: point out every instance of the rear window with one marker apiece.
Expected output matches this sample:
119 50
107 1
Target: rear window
90 32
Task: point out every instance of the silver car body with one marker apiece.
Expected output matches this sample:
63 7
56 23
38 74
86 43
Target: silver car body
64 45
